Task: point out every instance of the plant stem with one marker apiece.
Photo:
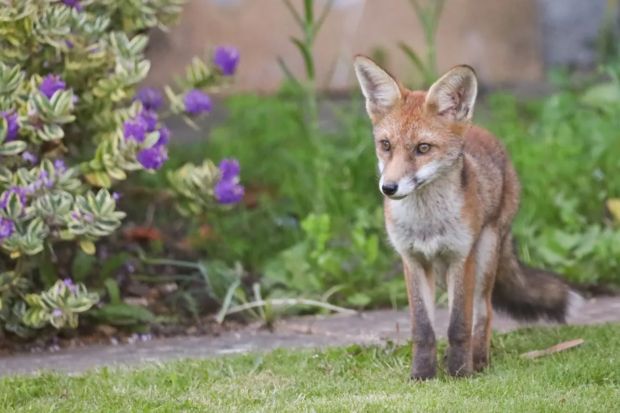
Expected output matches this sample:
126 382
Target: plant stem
281 302
428 16
19 267
175 263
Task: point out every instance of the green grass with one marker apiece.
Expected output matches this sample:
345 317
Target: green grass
372 379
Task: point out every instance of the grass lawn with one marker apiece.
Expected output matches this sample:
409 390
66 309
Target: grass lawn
370 379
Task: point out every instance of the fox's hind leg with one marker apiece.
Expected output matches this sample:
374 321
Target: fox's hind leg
420 291
487 255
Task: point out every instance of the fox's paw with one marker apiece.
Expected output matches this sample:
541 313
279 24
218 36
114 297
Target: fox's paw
459 362
424 366
420 374
481 361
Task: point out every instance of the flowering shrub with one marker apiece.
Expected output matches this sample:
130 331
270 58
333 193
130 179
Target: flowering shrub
71 126
197 187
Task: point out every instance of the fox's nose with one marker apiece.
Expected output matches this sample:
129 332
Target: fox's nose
389 188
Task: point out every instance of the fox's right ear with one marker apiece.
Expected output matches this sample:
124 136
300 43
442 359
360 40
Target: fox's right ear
380 89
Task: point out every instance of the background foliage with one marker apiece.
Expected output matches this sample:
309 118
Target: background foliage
308 232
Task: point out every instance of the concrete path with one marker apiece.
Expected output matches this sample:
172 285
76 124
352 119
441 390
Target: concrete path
374 327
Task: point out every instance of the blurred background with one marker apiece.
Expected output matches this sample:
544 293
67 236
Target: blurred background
512 42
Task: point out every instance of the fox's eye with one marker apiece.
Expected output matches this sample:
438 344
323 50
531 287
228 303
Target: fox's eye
423 148
385 145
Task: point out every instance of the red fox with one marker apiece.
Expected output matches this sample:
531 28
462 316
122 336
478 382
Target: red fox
451 194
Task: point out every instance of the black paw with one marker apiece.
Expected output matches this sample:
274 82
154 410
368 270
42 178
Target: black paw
424 365
459 362
481 361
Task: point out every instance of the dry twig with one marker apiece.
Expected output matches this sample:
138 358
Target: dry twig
553 349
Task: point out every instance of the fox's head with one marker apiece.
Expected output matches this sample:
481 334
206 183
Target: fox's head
418 135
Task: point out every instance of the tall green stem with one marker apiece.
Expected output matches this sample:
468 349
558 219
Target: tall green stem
428 15
310 27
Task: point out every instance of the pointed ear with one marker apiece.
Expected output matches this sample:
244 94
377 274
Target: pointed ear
453 96
380 89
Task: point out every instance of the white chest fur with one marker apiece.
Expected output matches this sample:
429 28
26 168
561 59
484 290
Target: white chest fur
429 223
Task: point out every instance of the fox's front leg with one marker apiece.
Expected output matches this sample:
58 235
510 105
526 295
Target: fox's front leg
461 282
420 291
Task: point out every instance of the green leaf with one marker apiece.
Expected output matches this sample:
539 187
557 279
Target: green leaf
306 55
602 95
14 207
12 148
47 269
151 139
293 12
99 179
613 205
123 314
88 247
10 78
415 59
116 173
82 265
324 13
359 300
289 75
111 265
114 293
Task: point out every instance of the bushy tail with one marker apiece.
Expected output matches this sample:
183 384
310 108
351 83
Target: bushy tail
530 294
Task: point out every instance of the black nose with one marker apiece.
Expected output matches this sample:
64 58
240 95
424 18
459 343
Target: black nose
389 188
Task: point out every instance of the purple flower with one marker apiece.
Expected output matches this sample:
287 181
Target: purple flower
75 4
153 158
60 165
57 313
44 179
150 118
135 129
12 125
51 84
31 188
164 136
29 157
116 196
70 285
228 192
151 98
6 228
138 127
229 169
227 59
197 102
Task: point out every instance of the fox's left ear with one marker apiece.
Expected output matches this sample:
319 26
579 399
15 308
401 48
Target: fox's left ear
453 96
